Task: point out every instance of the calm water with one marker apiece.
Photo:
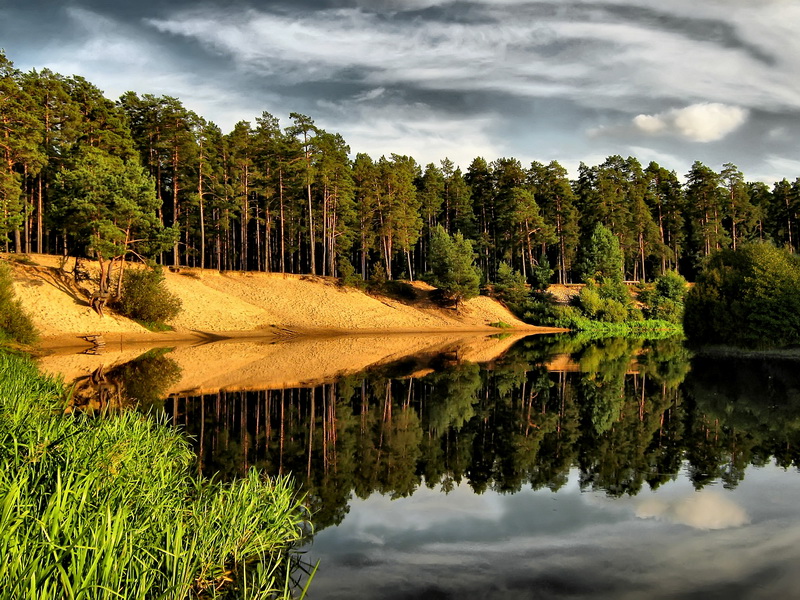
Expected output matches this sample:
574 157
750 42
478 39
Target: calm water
565 469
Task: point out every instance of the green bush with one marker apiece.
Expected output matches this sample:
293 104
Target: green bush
347 273
146 298
612 311
589 301
671 286
605 302
452 263
15 325
748 297
664 299
541 310
510 286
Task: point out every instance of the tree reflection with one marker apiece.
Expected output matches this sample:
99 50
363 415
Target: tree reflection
626 413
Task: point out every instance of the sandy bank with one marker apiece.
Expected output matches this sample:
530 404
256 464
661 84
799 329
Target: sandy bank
263 304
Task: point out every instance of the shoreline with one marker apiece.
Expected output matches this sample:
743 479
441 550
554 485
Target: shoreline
69 343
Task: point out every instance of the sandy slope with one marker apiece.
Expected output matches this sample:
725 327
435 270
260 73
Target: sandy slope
235 302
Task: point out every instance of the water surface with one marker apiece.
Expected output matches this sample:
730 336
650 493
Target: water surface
561 469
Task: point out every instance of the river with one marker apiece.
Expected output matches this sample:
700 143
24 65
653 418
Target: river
559 468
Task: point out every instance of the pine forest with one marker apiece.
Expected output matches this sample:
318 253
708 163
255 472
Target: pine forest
146 177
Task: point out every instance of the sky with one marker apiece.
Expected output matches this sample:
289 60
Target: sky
712 80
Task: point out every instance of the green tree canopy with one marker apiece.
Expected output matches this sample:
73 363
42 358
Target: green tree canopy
750 296
602 257
109 206
452 264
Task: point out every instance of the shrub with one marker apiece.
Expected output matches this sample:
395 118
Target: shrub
541 275
347 273
377 281
510 286
612 311
146 298
15 325
671 286
542 311
749 297
607 302
589 301
664 299
453 268
601 256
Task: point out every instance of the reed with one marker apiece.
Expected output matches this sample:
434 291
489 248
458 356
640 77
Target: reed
101 508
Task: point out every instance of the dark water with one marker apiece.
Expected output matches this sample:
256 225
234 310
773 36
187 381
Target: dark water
626 469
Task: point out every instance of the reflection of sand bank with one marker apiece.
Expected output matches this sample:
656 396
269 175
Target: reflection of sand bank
270 363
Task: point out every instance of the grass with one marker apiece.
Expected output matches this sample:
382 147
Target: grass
500 325
102 508
647 327
154 325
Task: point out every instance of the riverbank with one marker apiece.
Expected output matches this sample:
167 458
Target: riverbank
235 304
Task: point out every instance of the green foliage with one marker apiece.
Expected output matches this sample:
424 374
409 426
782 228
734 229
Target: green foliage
452 265
548 314
602 256
108 507
748 297
609 301
541 275
15 325
510 286
347 273
378 279
146 298
106 203
665 299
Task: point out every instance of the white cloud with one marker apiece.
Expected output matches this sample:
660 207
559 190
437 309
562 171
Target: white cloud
701 510
704 122
414 130
604 61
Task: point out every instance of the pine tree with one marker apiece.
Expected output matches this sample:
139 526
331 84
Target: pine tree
740 212
554 195
20 143
452 263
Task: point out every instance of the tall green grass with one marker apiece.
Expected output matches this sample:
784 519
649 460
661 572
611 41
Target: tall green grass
102 508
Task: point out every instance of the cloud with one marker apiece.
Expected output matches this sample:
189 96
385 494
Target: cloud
598 55
701 510
414 129
704 122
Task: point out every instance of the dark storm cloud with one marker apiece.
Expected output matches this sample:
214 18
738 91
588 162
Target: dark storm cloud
433 78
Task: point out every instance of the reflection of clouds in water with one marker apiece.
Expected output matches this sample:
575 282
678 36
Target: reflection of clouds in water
571 545
701 510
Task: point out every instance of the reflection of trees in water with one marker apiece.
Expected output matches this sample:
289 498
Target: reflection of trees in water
624 420
746 411
140 383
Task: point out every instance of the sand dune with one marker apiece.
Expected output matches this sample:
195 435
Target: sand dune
267 303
